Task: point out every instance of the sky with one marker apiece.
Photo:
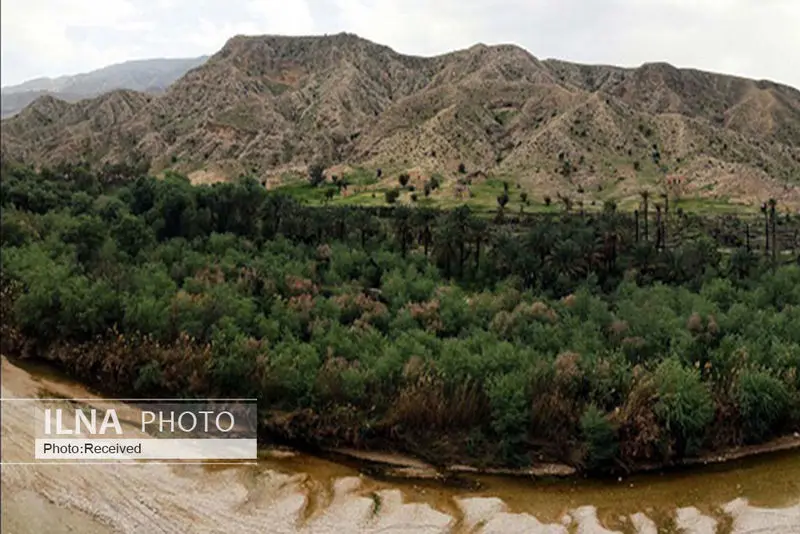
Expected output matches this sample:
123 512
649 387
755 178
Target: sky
753 38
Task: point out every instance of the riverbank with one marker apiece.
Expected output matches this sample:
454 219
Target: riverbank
291 493
388 463
398 465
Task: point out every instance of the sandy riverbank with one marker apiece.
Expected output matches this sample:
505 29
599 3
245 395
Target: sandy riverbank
289 493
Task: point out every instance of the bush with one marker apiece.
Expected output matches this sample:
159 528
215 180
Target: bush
684 405
316 174
510 411
763 402
600 440
502 200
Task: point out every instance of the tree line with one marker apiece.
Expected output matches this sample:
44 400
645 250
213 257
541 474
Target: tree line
439 333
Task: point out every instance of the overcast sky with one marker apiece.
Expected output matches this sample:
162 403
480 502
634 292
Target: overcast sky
753 38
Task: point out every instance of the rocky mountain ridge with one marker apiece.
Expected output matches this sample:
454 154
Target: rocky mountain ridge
147 75
267 105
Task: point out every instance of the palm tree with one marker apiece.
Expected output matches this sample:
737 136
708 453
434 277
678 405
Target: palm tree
742 262
766 228
644 258
747 236
645 197
402 221
665 196
462 217
658 227
611 234
567 258
422 219
567 202
773 216
478 231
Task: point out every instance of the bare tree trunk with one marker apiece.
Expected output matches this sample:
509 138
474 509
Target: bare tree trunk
658 227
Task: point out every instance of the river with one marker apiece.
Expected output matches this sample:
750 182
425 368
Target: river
288 492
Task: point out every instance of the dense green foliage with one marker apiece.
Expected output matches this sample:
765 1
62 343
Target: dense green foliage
437 332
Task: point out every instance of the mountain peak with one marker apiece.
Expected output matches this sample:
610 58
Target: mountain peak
148 75
269 104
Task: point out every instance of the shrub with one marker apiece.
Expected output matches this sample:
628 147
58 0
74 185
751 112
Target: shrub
316 174
600 440
684 405
763 402
510 411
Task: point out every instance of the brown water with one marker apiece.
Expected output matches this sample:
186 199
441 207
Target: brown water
292 493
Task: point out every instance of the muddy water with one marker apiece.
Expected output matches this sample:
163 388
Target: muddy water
294 493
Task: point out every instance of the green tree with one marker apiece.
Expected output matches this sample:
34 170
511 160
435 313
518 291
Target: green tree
502 200
316 174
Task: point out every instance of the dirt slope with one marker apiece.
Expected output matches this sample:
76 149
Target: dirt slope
264 105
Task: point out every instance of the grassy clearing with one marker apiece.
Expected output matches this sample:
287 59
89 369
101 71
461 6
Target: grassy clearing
711 206
481 195
362 176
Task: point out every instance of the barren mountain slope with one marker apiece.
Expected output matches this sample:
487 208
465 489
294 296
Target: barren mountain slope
267 104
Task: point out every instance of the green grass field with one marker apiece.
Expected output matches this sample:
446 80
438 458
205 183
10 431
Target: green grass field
366 189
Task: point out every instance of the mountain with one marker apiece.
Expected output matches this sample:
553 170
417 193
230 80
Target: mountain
268 105
147 75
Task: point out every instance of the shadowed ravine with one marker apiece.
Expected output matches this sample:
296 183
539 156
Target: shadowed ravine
294 493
